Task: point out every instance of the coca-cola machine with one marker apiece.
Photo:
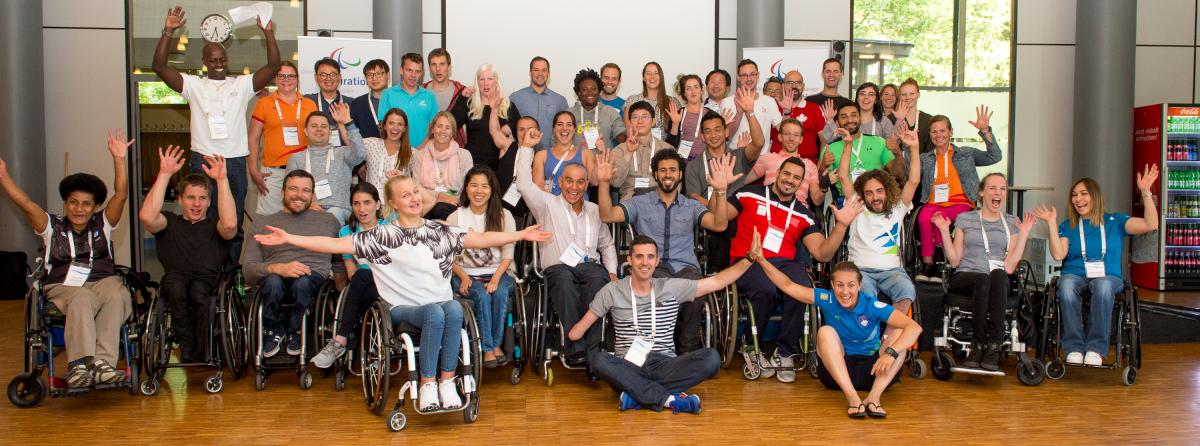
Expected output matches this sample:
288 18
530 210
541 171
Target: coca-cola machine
1168 135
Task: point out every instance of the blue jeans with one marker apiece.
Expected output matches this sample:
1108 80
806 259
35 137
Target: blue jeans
235 170
659 377
301 290
892 282
491 310
441 333
1103 292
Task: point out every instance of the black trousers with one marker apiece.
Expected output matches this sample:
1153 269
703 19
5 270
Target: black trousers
990 294
191 299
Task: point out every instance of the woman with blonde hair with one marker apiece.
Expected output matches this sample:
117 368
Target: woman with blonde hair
439 165
473 114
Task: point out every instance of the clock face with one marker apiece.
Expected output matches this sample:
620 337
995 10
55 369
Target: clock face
216 28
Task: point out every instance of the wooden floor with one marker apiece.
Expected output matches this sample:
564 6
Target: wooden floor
1088 406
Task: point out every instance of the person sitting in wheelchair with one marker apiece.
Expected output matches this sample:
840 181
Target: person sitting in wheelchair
411 260
191 247
985 252
874 236
1089 243
81 278
283 272
644 367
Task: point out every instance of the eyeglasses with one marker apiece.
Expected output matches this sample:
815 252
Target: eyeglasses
286 76
328 75
793 83
748 75
374 74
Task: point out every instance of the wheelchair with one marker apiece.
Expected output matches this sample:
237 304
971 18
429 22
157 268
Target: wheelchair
912 256
263 366
44 337
226 341
952 343
1127 331
759 365
389 348
328 306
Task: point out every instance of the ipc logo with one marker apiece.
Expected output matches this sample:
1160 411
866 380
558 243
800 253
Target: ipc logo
337 55
777 69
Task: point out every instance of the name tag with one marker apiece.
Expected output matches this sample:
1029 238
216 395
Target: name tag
774 239
548 185
995 264
335 138
941 192
854 174
638 351
443 190
1094 269
763 208
656 132
77 275
512 196
591 135
323 190
291 136
641 183
217 129
685 149
572 255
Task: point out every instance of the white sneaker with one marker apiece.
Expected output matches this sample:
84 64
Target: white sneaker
449 395
768 364
1075 358
1093 358
428 397
786 374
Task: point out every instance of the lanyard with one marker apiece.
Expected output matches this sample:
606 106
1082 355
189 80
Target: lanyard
308 160
595 115
653 146
653 314
856 150
986 246
699 116
767 196
587 222
437 169
554 173
945 165
321 101
371 105
279 111
71 243
1083 242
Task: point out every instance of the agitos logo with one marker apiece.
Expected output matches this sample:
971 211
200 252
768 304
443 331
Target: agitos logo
776 69
337 55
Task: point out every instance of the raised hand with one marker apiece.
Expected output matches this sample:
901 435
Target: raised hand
3 169
1024 226
175 19
744 99
117 145
892 143
631 138
392 173
468 91
340 113
531 137
846 136
940 221
720 172
535 233
908 137
829 159
743 140
850 209
170 161
674 112
273 237
214 167
828 109
788 103
269 27
1048 214
604 166
728 115
900 112
983 117
1146 178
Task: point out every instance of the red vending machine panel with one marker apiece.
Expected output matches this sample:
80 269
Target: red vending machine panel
1168 135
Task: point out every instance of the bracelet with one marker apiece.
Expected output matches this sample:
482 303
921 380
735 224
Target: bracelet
166 33
719 192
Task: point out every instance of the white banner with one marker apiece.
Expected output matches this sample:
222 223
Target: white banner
805 57
352 54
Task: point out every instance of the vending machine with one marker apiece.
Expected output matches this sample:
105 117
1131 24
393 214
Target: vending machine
1168 135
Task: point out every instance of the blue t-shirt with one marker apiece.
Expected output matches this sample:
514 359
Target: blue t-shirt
362 263
617 103
858 328
420 107
1114 231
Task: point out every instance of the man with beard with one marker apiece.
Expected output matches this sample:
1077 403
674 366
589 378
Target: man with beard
610 78
538 100
595 119
874 236
793 105
867 152
285 271
670 218
791 241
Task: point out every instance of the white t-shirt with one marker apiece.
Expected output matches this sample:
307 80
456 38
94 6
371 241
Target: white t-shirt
411 266
766 111
875 238
483 261
228 99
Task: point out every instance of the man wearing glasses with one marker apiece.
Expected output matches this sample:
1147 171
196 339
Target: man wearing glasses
765 110
365 109
276 133
418 103
329 77
812 121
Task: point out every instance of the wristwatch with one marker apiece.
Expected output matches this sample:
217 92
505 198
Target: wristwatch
892 352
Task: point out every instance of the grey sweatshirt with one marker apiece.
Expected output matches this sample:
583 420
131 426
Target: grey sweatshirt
341 167
255 257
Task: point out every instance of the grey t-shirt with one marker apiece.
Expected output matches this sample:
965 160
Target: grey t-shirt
443 96
615 299
974 257
695 175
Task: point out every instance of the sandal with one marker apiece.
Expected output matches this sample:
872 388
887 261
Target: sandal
875 410
862 411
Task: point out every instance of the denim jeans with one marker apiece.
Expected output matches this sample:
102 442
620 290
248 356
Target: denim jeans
491 310
275 289
659 377
1103 292
895 283
235 170
441 333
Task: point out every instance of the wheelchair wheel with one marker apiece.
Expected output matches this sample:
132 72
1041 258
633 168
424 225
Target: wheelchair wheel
1056 370
26 390
233 321
516 376
325 312
917 368
396 421
260 381
814 362
941 366
156 348
471 412
729 319
375 343
149 387
214 384
473 339
1031 372
751 371
1129 375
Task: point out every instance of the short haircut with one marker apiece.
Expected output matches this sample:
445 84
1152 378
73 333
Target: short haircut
316 114
857 107
329 63
613 66
797 161
411 57
439 52
376 64
83 182
665 155
641 105
643 239
745 62
846 266
710 115
791 121
537 58
941 118
773 80
531 118
720 72
299 173
288 63
587 74
192 179
833 60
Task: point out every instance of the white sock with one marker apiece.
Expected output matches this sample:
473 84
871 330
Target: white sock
670 399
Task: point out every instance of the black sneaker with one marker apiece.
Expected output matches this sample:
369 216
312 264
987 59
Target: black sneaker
935 273
271 342
972 361
294 345
991 358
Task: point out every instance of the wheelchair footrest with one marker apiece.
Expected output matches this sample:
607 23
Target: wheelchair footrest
960 369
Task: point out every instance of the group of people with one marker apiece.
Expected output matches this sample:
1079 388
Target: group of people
420 188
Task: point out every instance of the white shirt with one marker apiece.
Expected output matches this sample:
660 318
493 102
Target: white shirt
875 238
766 111
235 93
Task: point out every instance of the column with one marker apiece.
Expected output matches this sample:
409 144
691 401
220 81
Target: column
22 117
759 24
399 21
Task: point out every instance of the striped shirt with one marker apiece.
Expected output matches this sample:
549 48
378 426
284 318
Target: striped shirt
615 300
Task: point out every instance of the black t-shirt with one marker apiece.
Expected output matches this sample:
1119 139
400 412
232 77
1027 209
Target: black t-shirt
191 248
838 101
479 138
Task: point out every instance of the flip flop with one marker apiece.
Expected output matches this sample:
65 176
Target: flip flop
859 415
876 412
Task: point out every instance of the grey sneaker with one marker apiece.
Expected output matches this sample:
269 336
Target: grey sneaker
786 373
331 352
768 364
79 377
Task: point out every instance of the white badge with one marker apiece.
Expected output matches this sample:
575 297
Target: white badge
941 192
77 275
548 185
641 183
572 255
656 132
291 136
774 239
763 208
323 190
591 134
443 190
335 138
217 128
638 351
995 264
512 196
685 149
1094 269
854 174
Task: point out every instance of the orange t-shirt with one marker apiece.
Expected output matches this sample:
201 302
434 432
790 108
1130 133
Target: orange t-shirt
944 172
274 118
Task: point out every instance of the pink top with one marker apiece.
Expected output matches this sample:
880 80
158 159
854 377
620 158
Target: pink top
767 167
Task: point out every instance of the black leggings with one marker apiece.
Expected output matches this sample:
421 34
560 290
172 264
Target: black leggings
359 297
990 293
